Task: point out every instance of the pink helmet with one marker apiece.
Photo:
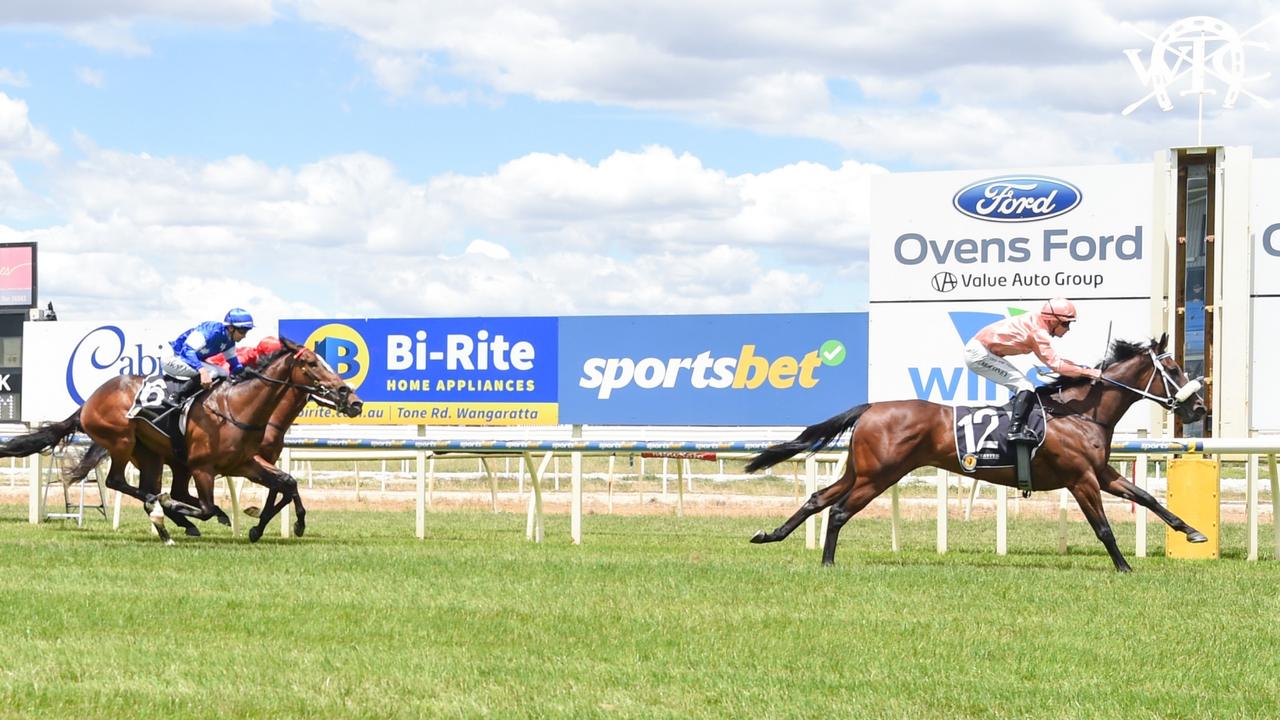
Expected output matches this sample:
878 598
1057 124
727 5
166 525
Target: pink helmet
1060 309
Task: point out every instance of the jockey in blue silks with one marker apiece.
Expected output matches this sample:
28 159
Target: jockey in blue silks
192 348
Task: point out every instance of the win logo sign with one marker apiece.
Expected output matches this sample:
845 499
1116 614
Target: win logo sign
946 384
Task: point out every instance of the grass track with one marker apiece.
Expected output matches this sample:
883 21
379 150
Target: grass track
653 617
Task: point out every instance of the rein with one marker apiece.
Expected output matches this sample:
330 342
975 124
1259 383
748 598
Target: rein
1172 399
319 394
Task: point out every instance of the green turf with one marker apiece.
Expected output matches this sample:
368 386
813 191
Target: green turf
653 617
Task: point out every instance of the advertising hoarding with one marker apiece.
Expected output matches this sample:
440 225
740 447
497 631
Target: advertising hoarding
1264 400
17 275
64 362
953 251
438 371
711 369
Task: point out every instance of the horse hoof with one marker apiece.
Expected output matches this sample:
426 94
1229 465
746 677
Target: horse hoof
1195 536
760 537
252 511
169 542
255 533
224 520
299 529
193 531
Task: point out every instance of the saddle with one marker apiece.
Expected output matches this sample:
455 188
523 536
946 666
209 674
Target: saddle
150 406
982 434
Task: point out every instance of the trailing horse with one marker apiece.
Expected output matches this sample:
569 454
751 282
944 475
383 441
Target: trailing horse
890 439
294 399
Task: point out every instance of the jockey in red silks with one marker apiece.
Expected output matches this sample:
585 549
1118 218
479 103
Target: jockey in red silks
250 355
1019 335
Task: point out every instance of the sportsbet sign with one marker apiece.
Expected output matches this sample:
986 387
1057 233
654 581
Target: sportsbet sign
953 251
711 369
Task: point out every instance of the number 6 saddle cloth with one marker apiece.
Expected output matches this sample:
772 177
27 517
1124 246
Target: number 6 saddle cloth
982 434
149 406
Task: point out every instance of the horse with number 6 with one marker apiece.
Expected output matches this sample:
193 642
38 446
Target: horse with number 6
890 439
224 433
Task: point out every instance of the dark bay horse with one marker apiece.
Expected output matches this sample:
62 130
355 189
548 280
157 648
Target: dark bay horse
890 439
291 403
224 431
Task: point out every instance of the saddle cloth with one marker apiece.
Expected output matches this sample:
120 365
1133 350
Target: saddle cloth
982 435
149 406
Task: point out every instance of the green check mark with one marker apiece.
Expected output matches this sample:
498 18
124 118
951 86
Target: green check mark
832 352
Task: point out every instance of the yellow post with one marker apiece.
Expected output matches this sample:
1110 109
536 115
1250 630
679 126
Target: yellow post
1193 496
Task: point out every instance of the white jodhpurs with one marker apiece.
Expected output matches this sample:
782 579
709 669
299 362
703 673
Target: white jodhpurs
993 367
174 366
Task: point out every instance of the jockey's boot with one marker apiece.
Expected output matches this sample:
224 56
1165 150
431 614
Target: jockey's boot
184 391
1018 432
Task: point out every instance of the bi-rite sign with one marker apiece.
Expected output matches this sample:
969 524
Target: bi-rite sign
439 371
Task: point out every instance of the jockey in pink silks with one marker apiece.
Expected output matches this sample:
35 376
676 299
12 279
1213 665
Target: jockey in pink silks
1019 335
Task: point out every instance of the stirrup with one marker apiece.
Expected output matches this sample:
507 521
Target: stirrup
1022 435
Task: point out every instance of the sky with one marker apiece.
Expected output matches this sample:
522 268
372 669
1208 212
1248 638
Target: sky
366 158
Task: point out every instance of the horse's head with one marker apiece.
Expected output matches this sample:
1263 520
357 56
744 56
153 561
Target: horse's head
309 371
1151 371
1184 392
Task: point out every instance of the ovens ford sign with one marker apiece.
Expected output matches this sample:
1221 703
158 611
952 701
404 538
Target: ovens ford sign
942 236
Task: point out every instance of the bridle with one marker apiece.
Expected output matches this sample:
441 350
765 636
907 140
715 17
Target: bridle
320 394
1171 400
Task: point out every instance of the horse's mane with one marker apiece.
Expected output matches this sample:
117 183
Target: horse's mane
1121 350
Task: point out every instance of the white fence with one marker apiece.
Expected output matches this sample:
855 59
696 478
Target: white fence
536 456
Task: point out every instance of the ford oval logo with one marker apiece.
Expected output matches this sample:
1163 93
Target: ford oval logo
1017 198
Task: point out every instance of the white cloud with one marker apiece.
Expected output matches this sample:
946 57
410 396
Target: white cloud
91 77
18 137
651 231
1034 68
108 25
13 78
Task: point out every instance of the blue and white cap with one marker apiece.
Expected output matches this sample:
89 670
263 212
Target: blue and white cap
239 318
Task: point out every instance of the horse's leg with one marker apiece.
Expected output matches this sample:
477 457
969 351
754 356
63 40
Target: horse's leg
1089 496
204 489
300 513
271 511
144 456
150 467
865 489
180 490
1116 484
275 480
816 503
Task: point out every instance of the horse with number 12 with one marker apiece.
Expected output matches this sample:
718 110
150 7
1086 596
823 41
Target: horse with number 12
890 439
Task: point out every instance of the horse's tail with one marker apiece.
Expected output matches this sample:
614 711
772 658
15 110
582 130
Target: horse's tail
812 439
92 457
44 438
